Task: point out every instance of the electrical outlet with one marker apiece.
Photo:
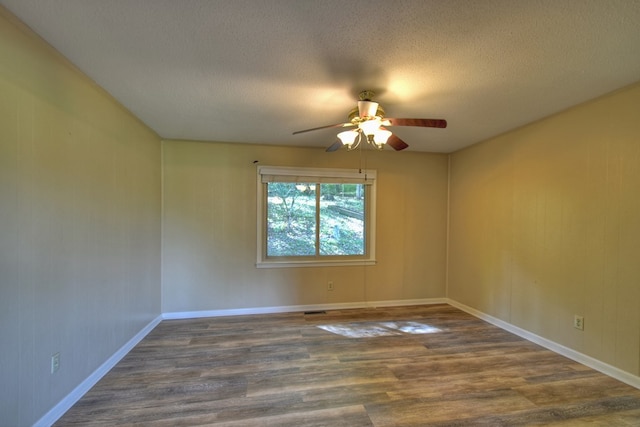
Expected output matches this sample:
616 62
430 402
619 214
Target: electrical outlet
330 285
55 363
578 322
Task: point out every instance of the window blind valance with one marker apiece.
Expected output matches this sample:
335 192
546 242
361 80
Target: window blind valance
312 175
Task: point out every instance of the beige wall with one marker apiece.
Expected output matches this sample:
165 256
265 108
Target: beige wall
209 230
79 226
545 224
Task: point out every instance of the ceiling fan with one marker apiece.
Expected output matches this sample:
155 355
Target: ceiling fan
370 124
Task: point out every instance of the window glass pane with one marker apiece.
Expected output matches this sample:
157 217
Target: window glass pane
342 219
291 217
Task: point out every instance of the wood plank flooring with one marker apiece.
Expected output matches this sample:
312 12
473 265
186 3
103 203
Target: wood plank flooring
403 366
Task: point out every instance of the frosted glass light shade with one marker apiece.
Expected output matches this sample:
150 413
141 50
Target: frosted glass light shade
370 127
381 136
348 137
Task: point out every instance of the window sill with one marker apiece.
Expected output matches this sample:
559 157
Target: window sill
332 263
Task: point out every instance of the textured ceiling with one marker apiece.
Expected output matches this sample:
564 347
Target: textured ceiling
255 71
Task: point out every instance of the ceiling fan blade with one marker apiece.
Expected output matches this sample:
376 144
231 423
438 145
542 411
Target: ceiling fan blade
396 143
337 125
427 123
334 147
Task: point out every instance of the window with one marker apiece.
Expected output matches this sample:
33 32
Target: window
315 217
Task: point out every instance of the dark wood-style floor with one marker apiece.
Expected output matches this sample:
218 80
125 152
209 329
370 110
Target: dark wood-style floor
404 366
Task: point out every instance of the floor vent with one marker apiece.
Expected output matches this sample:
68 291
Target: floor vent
315 312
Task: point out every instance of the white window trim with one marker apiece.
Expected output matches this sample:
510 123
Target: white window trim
370 176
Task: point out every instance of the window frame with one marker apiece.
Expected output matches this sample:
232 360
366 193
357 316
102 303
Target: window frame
317 175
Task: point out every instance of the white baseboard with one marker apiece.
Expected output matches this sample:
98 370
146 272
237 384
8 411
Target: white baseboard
65 404
589 361
296 308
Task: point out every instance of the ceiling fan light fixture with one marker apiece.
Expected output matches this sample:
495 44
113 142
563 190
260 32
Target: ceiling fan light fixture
370 127
348 137
381 137
369 122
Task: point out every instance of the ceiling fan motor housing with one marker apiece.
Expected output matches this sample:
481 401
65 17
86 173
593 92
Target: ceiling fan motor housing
366 109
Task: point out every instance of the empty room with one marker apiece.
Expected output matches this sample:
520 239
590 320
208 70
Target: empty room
319 213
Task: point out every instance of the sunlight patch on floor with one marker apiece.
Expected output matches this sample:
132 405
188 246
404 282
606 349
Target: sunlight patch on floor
412 327
379 329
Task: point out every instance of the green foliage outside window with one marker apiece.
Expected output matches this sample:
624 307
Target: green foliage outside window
296 210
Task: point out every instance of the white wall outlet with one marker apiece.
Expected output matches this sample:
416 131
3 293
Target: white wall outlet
330 285
55 363
578 322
